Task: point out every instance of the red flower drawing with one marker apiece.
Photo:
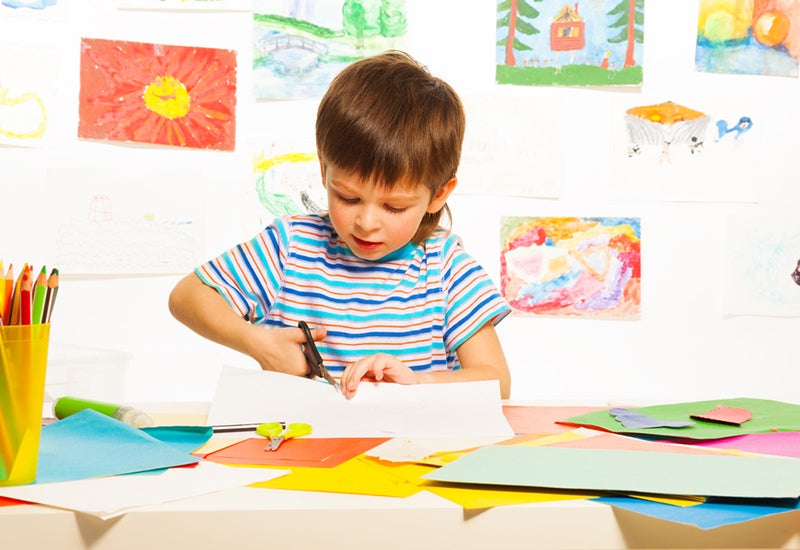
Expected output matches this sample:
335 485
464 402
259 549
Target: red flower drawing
153 93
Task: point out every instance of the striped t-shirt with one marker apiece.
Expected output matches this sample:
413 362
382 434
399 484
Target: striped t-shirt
419 304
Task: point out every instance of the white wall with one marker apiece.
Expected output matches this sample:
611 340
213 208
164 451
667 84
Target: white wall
682 348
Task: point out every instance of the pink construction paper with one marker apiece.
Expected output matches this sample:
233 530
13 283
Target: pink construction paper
775 443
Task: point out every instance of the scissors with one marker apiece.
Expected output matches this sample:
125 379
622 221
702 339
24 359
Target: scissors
314 359
277 433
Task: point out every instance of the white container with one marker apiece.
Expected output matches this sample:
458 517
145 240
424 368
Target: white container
88 373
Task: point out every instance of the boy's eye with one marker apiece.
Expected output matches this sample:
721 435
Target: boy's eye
347 200
395 210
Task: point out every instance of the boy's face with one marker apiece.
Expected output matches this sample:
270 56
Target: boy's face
372 220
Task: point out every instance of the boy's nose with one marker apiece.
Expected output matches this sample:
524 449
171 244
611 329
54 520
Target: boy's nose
367 218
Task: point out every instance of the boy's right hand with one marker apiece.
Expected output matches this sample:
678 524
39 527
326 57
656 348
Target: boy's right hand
280 349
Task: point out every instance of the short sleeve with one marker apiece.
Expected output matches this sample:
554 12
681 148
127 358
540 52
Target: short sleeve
472 298
248 276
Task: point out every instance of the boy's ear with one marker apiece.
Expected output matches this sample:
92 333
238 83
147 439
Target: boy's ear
322 171
440 197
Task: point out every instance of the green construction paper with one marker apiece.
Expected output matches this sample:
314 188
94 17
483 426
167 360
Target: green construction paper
626 471
768 416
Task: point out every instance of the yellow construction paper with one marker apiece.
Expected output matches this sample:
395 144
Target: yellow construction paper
360 476
471 497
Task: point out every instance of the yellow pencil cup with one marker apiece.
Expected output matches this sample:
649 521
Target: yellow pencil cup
23 365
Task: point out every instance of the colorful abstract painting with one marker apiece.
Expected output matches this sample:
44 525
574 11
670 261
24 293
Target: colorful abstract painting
299 46
762 266
560 43
153 93
748 37
573 266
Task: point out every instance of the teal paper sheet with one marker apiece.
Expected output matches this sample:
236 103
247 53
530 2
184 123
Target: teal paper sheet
90 444
626 471
768 416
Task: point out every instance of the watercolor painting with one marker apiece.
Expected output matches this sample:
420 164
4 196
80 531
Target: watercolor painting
561 43
26 90
287 180
104 220
671 151
760 37
30 4
300 45
572 266
152 93
762 266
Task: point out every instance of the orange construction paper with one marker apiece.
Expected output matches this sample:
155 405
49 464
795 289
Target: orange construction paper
319 452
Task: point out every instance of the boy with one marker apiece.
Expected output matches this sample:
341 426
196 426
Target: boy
390 294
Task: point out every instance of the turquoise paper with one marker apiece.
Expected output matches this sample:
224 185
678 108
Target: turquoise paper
89 444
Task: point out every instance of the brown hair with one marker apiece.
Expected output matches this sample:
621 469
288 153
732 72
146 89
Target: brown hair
387 120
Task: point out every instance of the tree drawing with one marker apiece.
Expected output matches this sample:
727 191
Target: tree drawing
393 19
630 21
360 19
516 20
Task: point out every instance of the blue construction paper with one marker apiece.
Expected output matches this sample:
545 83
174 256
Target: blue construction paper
90 444
184 438
708 515
634 419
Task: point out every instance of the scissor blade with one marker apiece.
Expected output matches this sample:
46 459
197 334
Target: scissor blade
330 379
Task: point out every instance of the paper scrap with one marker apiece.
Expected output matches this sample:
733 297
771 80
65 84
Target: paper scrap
735 416
633 419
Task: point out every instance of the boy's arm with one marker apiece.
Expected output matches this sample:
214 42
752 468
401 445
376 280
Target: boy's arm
481 358
202 309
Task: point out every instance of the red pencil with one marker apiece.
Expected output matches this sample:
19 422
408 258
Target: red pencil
26 296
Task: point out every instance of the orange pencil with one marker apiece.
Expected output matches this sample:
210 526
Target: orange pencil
26 297
15 298
9 289
50 297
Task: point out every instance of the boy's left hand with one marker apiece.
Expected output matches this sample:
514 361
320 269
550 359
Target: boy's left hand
379 367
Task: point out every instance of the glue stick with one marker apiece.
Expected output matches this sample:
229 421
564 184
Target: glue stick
65 406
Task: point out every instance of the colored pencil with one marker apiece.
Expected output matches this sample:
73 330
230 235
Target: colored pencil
50 297
9 289
15 298
25 297
39 294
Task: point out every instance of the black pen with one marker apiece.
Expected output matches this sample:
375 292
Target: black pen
233 428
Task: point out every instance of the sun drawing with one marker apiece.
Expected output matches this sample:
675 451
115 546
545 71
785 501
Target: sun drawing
153 93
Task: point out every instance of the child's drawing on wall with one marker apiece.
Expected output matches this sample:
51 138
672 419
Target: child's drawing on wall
588 267
748 37
300 45
561 43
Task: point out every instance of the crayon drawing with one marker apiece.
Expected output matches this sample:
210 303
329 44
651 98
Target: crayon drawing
26 90
288 181
569 43
152 93
762 266
105 220
571 266
300 45
668 151
759 37
504 153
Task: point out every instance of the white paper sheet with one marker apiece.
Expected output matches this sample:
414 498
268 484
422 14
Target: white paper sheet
107 497
379 409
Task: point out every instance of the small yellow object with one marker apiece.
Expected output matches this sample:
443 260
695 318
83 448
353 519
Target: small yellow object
277 434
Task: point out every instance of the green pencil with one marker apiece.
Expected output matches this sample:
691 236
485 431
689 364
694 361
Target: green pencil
39 293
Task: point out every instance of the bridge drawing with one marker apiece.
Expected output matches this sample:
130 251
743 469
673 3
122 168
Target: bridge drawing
290 54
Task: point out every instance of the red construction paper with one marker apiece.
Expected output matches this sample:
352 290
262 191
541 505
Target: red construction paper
321 452
725 415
